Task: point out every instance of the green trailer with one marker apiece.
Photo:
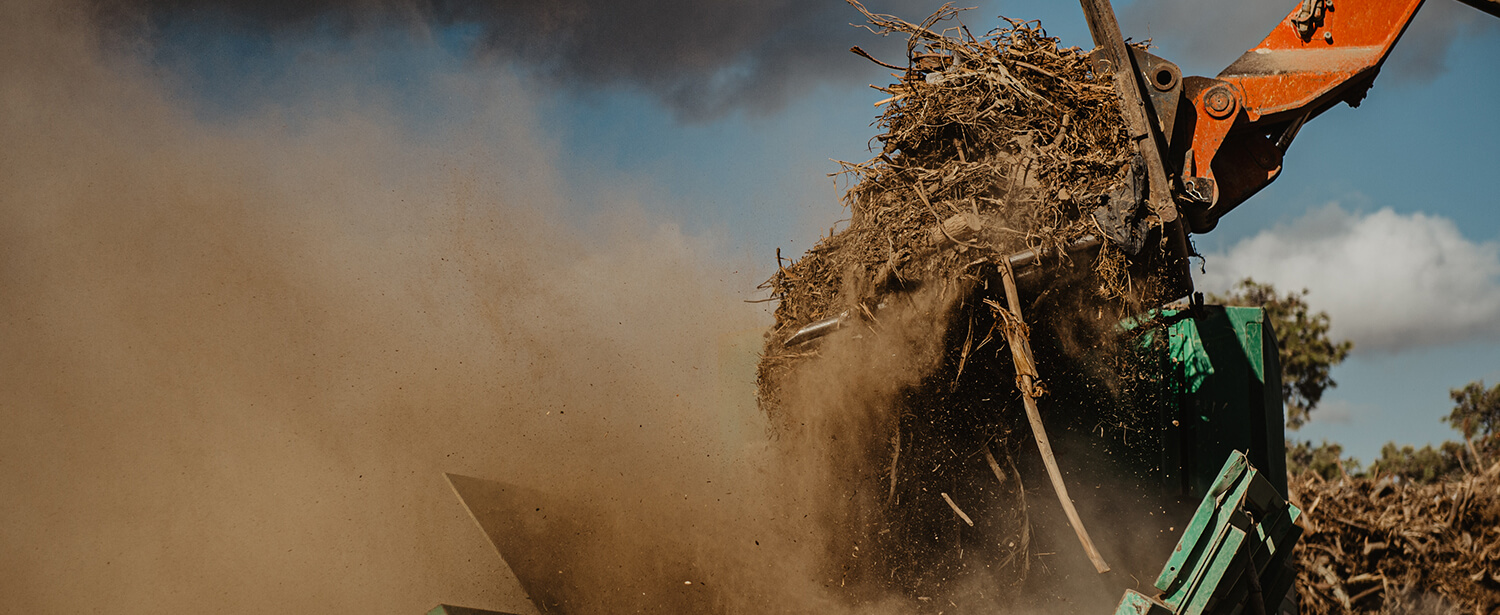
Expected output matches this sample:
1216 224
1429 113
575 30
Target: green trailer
1204 454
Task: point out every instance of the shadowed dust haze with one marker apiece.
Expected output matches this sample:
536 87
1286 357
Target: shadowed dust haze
237 355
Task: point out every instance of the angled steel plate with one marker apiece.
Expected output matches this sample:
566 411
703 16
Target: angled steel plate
535 533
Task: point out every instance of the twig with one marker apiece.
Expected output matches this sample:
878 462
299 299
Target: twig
1361 595
1478 461
866 55
895 457
994 467
963 357
955 508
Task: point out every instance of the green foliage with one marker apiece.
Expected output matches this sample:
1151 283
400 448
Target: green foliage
1326 459
1476 414
1424 465
1306 353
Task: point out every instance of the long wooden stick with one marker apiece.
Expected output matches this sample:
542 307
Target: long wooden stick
1020 348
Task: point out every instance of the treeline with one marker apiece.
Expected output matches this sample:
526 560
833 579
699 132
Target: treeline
1308 355
1476 417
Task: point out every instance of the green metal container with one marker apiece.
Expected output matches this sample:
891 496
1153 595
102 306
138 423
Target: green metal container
1230 397
1140 451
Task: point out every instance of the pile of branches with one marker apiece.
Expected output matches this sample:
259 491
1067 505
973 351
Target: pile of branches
990 145
1387 546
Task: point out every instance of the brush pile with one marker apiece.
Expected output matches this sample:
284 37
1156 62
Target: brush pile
990 145
1378 546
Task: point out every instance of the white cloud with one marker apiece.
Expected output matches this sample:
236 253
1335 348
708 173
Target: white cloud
1389 281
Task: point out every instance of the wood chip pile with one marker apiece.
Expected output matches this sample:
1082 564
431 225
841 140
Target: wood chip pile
1379 546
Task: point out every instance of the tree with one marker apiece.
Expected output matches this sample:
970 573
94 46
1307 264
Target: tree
1326 459
1424 465
1476 414
1306 353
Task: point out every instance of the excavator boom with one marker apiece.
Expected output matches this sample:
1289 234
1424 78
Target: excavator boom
1224 137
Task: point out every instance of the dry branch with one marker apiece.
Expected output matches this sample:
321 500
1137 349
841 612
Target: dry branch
1020 348
1380 546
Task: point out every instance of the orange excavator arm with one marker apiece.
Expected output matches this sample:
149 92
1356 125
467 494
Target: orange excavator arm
1205 145
1220 140
1230 141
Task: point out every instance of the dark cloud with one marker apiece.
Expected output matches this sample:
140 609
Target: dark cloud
1422 54
1204 37
701 57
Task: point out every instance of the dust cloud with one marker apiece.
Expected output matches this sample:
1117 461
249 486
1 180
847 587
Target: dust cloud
239 354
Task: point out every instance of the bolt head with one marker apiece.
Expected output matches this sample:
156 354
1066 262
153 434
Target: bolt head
1219 101
1328 36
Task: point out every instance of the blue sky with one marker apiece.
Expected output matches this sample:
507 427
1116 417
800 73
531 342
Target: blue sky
755 178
